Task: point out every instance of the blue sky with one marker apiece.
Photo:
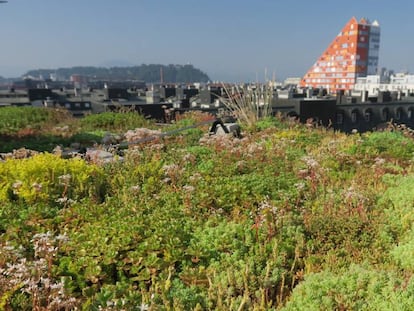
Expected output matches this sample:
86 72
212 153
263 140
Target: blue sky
228 39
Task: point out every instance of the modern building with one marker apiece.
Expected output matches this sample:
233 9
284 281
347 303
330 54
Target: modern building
352 54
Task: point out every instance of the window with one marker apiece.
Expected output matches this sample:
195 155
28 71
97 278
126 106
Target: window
385 114
368 115
354 116
399 114
339 118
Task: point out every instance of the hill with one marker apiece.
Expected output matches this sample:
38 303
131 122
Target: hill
149 73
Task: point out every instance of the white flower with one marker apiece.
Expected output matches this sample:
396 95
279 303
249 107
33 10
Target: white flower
17 184
65 200
135 188
300 186
65 179
196 177
143 307
379 161
37 187
188 188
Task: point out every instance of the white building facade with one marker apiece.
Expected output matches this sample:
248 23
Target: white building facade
400 82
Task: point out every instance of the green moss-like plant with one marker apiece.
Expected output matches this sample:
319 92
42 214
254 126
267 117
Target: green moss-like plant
356 288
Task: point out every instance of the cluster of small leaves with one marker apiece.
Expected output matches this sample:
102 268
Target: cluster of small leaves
114 121
43 129
386 144
27 120
31 284
14 118
354 288
48 178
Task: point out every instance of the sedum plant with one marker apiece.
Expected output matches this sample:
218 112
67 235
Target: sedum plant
31 284
355 288
49 178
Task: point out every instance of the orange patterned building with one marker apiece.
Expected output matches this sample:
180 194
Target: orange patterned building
353 53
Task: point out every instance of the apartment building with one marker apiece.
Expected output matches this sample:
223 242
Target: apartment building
352 54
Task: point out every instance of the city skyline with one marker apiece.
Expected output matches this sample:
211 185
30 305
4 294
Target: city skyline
229 40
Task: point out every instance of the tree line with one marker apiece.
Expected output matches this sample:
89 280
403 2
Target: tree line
151 73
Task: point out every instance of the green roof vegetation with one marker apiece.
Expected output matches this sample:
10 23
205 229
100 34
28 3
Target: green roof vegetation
287 217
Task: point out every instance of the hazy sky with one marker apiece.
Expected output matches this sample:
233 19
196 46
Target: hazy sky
228 39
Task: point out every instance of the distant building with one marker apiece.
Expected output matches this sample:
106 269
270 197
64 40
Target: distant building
400 83
292 81
167 91
153 96
352 54
78 80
